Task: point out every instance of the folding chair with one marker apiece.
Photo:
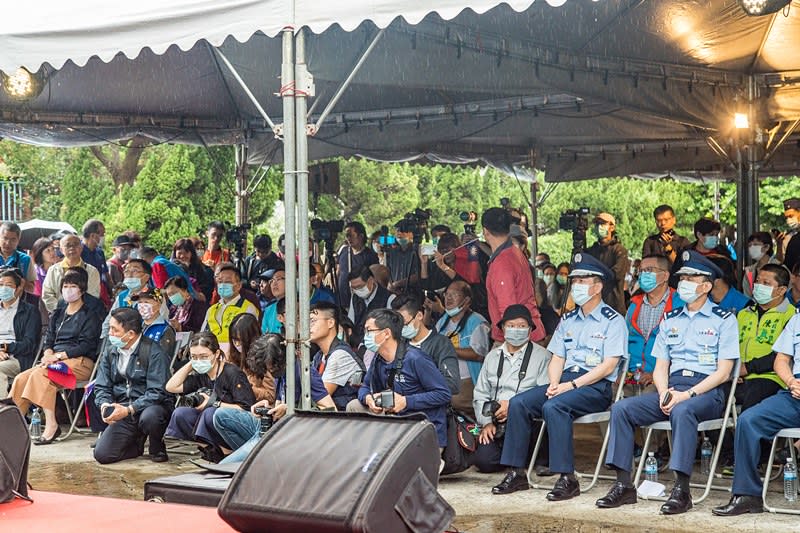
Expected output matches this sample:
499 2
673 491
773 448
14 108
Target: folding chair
66 394
792 434
601 418
728 421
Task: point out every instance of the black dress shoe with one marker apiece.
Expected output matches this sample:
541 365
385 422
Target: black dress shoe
543 471
679 502
740 505
564 489
159 457
41 441
618 495
513 482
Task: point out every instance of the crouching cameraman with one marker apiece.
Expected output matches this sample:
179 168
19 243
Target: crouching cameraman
402 379
513 367
242 430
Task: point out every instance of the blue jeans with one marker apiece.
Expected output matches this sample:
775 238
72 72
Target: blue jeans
241 453
236 426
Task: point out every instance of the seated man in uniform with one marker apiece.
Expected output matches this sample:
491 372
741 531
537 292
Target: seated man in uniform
762 422
586 348
695 351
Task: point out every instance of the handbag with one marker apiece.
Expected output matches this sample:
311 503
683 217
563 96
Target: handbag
15 452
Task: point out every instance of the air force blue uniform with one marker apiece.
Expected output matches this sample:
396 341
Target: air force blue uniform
584 342
764 420
693 343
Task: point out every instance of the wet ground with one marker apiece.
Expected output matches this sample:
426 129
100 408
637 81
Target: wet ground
68 467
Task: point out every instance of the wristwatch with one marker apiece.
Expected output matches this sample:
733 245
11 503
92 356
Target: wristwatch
692 393
217 403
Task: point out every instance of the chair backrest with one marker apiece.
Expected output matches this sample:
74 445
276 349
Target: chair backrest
622 369
731 400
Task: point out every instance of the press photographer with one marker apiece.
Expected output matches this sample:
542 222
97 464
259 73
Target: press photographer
353 256
403 259
260 261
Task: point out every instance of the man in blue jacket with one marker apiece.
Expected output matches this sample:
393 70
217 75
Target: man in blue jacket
410 375
130 392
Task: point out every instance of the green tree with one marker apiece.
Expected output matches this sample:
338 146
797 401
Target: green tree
86 190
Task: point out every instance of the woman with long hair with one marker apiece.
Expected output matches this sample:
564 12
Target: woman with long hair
244 330
185 254
44 256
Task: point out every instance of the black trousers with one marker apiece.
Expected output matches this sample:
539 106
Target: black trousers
124 439
487 456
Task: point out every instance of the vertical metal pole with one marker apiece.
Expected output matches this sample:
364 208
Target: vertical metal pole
301 149
287 93
716 200
534 219
747 184
242 198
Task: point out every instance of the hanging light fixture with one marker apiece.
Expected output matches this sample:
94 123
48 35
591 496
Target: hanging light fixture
22 84
757 8
741 121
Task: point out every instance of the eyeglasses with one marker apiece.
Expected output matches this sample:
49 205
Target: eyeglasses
70 246
133 272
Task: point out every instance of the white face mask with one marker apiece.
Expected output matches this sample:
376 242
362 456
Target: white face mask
363 292
755 252
687 290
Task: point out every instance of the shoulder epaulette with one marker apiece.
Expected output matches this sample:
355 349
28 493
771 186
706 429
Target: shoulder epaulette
674 312
720 312
571 313
609 312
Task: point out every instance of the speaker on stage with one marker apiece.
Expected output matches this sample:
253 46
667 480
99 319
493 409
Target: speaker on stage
335 472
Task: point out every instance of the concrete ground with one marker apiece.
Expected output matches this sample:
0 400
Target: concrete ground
68 467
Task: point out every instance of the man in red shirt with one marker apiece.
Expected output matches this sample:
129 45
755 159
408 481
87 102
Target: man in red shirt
509 279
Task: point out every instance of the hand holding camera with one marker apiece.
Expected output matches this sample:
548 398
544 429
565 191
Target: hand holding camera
112 412
198 399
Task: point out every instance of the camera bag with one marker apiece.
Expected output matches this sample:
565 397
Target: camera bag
460 444
15 451
309 474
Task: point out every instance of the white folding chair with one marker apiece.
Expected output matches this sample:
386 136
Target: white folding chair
728 421
601 418
792 434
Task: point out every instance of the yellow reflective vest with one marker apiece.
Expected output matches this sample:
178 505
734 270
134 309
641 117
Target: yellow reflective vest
756 336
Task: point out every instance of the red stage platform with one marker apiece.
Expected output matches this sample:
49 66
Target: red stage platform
68 513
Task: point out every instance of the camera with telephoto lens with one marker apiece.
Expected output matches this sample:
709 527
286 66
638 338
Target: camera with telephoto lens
236 235
193 399
576 221
326 230
266 419
470 219
489 409
416 223
384 399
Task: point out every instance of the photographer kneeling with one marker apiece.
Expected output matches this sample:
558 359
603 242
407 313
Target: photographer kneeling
241 429
515 366
402 379
130 393
207 383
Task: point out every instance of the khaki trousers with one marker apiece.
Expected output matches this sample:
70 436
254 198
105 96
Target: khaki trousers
8 371
34 387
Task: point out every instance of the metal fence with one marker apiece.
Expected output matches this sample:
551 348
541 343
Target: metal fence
11 207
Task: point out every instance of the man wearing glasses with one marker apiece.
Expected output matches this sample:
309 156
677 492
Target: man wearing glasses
666 242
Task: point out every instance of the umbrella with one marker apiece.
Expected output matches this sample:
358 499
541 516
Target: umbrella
33 229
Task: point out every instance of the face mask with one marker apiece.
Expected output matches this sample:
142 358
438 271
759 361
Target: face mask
435 241
363 292
376 248
369 342
133 284
452 312
580 293
710 242
548 279
561 279
648 281
402 241
6 294
146 310
225 290
601 231
755 252
124 254
539 274
71 294
177 299
762 294
116 342
409 331
687 290
202 366
517 336
792 222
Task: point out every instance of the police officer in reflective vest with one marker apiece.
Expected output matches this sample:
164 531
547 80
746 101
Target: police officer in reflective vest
696 348
586 348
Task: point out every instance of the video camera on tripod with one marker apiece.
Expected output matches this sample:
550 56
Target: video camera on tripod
415 223
470 220
576 221
326 230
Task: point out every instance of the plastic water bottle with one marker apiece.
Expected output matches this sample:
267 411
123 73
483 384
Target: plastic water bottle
790 480
637 377
706 450
36 424
651 468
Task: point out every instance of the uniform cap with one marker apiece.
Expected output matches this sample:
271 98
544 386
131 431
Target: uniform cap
696 264
584 265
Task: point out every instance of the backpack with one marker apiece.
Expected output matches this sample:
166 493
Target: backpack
15 451
460 444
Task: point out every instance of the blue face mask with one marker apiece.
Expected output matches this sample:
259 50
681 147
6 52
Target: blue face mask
6 293
402 241
369 342
710 242
225 290
580 293
516 336
177 299
202 366
648 281
409 331
133 284
452 312
116 342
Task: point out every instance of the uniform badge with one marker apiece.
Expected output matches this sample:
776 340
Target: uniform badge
578 258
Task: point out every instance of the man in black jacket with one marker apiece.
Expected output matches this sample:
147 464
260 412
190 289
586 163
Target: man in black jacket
20 329
609 251
130 392
367 295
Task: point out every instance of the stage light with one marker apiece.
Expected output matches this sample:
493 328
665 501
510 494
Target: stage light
22 84
741 121
757 8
